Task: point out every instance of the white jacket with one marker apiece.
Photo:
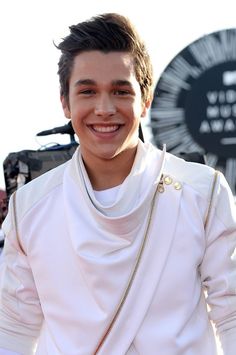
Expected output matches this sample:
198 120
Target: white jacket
66 269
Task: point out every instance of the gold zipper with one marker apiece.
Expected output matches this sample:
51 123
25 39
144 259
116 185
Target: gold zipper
131 279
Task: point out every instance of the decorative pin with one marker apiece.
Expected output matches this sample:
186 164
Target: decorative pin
177 185
168 180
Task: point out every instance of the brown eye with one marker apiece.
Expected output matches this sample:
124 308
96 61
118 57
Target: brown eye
87 92
121 92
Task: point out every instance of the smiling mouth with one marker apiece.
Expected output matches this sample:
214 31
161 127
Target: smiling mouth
105 129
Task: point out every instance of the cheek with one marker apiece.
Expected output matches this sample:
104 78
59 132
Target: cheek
78 112
132 108
80 108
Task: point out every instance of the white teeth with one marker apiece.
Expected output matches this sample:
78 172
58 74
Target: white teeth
105 129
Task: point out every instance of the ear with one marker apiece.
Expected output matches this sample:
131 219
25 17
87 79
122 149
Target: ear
65 107
146 106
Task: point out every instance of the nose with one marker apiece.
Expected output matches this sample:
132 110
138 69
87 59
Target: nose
105 106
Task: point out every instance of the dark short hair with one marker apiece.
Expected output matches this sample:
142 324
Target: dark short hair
108 32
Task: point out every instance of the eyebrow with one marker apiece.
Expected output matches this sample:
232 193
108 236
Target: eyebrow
117 82
121 83
85 82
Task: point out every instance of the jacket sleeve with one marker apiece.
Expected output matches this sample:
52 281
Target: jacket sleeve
218 268
20 311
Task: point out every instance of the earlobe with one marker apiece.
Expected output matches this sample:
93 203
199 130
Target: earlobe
146 106
65 107
144 113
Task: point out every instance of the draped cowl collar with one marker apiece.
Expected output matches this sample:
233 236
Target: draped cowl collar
134 196
106 239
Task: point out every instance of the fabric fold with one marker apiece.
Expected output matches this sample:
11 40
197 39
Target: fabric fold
107 239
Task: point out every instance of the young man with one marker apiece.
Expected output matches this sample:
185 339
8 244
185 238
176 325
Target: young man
111 252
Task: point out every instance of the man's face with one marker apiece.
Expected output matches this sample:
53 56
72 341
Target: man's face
105 104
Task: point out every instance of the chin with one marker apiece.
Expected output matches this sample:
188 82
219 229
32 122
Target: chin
118 153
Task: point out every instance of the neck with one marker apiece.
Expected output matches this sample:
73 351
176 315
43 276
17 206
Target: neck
108 173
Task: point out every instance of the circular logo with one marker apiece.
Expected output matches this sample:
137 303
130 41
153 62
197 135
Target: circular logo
210 110
194 106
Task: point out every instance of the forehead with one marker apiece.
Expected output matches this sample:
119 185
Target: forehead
101 66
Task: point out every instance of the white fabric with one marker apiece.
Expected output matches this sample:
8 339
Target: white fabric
69 268
107 197
7 352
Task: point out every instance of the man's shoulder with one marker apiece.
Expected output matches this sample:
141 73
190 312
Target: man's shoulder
35 190
196 175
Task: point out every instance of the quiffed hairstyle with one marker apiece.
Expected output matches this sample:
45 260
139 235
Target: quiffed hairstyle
107 33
